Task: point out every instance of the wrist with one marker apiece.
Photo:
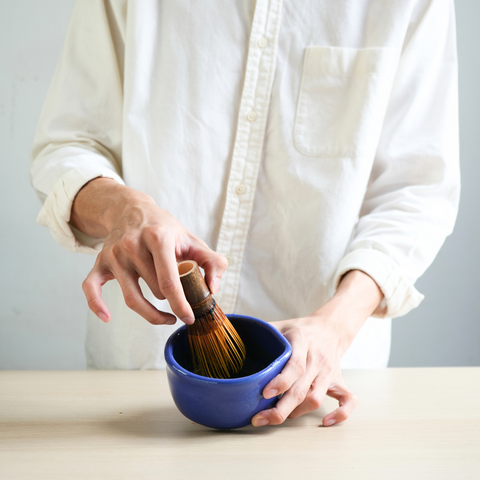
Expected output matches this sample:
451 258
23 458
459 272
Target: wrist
356 298
357 294
100 203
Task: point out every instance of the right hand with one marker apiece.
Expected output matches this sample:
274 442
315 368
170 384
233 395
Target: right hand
143 240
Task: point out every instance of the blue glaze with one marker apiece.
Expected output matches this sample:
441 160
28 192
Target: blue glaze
225 403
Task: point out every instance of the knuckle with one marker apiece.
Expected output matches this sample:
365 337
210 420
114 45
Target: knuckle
299 393
131 300
92 304
155 233
315 401
130 244
167 285
277 417
322 357
116 250
298 365
86 285
327 369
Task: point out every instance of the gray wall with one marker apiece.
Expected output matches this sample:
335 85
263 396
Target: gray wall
42 311
42 314
445 328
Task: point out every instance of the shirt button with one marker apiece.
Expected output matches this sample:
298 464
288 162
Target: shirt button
240 189
229 259
252 116
262 42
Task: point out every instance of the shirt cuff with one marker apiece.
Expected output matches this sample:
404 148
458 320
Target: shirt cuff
400 294
56 211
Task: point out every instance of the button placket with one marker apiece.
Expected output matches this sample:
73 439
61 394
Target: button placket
248 146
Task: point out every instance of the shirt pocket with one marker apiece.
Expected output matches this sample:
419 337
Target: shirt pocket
342 101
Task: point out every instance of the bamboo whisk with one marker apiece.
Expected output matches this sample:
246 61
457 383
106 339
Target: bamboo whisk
216 348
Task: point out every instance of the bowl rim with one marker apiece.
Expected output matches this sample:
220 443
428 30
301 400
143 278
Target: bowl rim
172 363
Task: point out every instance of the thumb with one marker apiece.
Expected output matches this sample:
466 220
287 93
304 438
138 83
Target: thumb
213 264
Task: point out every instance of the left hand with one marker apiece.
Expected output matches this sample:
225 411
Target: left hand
318 344
312 372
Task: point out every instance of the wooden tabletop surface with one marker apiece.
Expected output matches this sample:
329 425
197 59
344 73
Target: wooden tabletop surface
410 423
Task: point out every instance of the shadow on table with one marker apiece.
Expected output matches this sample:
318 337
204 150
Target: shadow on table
168 422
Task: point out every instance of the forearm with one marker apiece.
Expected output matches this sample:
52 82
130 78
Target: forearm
357 297
99 201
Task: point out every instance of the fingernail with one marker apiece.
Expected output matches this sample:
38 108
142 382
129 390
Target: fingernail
171 321
188 320
260 422
102 316
216 285
271 393
329 422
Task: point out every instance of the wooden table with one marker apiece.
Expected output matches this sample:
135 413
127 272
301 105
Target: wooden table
410 423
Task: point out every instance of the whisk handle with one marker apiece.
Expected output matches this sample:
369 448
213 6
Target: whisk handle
196 290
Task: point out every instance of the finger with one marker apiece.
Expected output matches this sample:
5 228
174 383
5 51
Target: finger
132 253
347 402
292 371
169 281
92 288
213 264
135 300
290 400
145 268
314 398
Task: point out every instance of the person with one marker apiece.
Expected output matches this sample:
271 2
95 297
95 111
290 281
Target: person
311 148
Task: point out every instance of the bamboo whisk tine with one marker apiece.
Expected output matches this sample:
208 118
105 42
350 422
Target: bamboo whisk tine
216 348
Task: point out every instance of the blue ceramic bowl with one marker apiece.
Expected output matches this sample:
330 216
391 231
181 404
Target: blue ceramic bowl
232 402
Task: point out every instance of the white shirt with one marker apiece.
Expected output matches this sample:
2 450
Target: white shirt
299 139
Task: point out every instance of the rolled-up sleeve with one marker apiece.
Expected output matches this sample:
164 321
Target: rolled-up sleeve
78 137
412 198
